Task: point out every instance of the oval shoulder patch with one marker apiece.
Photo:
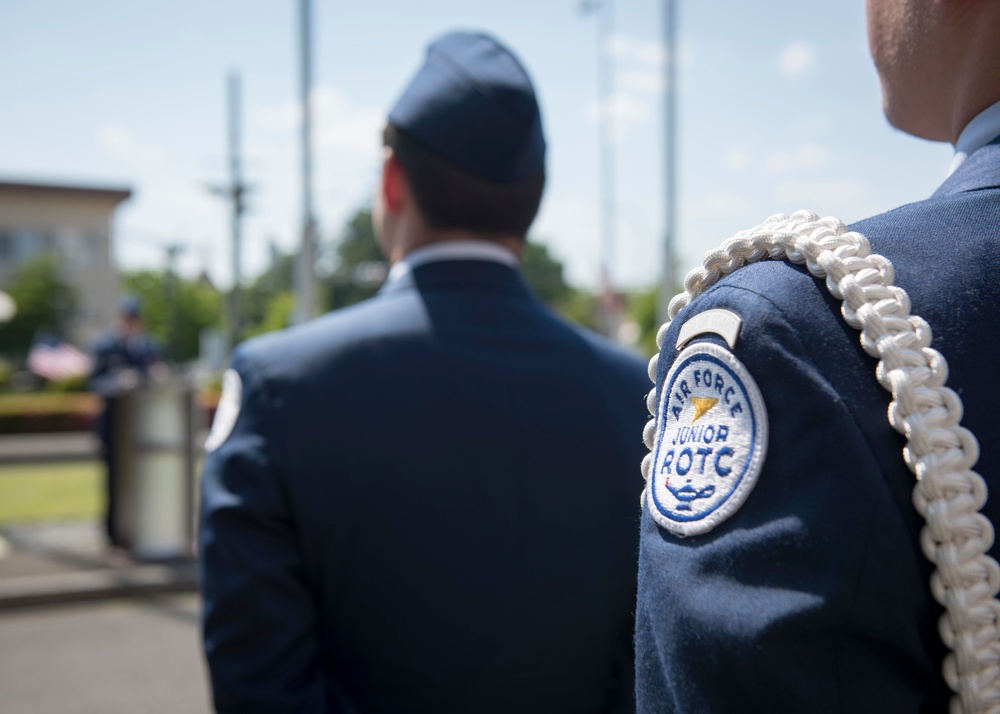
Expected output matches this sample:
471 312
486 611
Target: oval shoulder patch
227 412
711 439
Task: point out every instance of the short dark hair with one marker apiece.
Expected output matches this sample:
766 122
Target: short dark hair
452 199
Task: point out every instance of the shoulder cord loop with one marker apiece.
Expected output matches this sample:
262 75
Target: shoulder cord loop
939 452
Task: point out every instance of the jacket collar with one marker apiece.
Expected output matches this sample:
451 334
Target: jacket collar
980 170
463 276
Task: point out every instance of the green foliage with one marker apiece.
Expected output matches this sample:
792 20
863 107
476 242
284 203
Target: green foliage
7 370
175 310
46 412
354 271
278 314
268 302
579 306
544 274
68 384
641 307
45 302
48 492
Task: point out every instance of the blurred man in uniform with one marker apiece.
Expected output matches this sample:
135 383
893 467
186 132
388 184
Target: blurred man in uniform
808 591
123 357
427 502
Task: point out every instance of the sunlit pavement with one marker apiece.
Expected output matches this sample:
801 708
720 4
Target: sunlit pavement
132 655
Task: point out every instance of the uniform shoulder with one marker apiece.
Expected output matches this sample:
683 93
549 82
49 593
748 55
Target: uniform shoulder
104 341
319 342
787 287
629 365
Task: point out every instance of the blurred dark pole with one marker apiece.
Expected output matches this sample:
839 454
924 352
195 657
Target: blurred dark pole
305 304
668 282
172 290
236 190
606 89
608 304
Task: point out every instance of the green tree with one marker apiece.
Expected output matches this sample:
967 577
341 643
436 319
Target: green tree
355 267
579 306
175 309
278 314
544 274
269 301
45 303
641 307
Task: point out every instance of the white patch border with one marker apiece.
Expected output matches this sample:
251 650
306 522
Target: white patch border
736 499
227 412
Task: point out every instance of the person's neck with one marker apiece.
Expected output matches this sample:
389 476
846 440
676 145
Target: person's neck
422 237
977 86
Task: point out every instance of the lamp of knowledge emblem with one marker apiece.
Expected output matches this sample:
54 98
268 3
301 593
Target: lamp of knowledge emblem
711 441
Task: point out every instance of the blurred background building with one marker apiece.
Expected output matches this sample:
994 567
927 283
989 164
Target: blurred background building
74 224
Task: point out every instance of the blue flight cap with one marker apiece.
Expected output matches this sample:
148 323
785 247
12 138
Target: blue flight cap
472 104
129 306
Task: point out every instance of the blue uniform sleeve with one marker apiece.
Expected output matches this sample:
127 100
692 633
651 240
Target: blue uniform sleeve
813 595
260 620
102 376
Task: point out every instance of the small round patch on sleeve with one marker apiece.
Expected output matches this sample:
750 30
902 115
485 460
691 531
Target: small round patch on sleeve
711 439
227 412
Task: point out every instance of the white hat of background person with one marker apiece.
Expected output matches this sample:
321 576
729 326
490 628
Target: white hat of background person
8 308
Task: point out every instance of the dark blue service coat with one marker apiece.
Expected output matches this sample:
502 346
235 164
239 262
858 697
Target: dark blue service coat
428 504
115 352
814 595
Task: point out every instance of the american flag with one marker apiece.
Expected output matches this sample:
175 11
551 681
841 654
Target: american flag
58 362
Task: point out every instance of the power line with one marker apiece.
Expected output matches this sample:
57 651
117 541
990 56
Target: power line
235 193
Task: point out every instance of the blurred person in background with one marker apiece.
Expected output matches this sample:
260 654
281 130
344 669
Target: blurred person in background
427 502
810 592
123 358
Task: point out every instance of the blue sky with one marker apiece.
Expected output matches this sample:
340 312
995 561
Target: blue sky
779 110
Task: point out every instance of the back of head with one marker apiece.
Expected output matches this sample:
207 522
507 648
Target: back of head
467 132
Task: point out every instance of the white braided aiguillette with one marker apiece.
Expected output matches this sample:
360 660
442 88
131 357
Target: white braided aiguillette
940 453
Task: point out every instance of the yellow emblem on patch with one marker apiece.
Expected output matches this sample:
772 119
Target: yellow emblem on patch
702 405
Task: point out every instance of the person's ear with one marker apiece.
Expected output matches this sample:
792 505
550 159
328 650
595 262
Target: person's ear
395 188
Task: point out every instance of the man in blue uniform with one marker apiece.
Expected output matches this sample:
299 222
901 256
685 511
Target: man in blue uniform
123 357
427 502
803 588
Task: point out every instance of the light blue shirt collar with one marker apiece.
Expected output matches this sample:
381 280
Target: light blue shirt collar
467 249
979 132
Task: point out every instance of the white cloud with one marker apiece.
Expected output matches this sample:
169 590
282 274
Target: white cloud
803 157
797 60
813 125
638 67
825 197
630 50
569 227
642 81
120 143
736 159
622 112
338 123
723 202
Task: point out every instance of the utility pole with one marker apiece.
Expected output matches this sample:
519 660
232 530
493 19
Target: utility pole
305 283
236 189
668 280
606 127
172 290
610 310
234 192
